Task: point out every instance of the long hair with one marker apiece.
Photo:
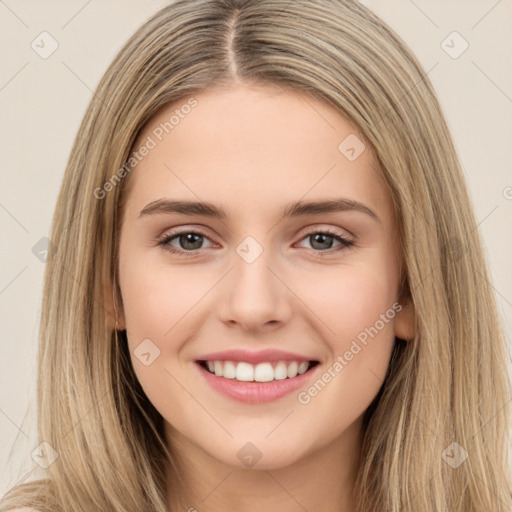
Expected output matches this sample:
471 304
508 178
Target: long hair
436 436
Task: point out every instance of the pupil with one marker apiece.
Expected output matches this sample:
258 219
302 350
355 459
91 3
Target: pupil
189 238
321 238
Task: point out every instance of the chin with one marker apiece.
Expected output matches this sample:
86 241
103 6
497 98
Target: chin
262 456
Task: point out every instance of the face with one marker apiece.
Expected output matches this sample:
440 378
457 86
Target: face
259 272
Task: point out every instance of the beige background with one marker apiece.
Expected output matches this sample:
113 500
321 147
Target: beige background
42 102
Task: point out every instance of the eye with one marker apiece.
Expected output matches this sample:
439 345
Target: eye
323 240
188 242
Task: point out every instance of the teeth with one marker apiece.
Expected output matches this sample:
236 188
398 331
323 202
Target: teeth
302 367
244 372
292 369
280 371
217 365
229 370
262 372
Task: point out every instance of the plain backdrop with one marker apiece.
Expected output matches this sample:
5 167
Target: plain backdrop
42 101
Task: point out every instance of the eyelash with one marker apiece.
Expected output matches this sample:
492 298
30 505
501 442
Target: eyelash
164 241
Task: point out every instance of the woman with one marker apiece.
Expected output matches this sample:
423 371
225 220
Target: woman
263 289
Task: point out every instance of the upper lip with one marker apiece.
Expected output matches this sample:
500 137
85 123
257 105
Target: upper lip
252 357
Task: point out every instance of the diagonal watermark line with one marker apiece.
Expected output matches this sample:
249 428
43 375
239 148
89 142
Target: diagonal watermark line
489 487
13 423
306 100
403 403
485 15
76 14
199 403
12 280
95 95
14 218
422 79
437 268
376 376
501 295
198 301
193 192
13 13
217 486
74 217
280 423
432 270
14 76
77 76
306 193
424 14
418 493
84 288
492 81
487 216
286 491
491 419
22 479
419 419
85 415
301 300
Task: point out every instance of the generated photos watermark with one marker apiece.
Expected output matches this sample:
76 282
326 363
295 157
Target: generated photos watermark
357 345
150 143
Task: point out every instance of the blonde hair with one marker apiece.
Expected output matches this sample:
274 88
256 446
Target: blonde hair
448 384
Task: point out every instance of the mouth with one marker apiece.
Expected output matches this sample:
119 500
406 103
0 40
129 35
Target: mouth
250 383
268 371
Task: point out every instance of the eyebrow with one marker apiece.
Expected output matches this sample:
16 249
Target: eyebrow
297 209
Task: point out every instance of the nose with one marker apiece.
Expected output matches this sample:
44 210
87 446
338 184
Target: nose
254 296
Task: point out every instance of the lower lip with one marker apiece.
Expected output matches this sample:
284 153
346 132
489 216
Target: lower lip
255 392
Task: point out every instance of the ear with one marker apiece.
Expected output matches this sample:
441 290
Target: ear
113 310
405 320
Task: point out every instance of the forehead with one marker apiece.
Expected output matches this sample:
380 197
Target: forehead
255 146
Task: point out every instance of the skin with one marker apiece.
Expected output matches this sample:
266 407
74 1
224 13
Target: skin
252 150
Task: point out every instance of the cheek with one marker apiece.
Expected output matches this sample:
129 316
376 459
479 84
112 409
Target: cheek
348 298
156 297
357 306
158 304
165 304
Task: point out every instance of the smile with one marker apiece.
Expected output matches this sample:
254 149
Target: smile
243 371
255 377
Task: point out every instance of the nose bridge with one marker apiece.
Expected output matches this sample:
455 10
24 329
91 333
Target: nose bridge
255 296
253 279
